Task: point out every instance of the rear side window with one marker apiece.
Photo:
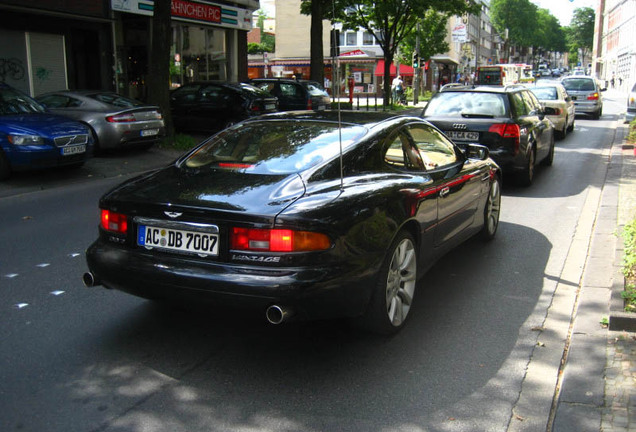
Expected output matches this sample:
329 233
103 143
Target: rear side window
59 101
519 105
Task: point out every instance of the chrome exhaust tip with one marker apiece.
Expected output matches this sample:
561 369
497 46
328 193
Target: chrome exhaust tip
278 314
89 280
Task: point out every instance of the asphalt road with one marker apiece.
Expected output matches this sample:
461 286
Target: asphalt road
79 359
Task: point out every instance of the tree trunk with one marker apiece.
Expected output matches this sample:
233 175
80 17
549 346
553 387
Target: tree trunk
317 64
158 81
388 60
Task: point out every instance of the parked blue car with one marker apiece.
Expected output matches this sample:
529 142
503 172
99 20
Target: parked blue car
31 138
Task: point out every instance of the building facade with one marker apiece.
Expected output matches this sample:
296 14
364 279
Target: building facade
614 48
48 45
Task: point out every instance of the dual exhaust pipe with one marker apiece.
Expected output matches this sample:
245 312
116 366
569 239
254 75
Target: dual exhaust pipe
275 314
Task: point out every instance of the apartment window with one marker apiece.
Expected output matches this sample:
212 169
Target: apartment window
367 39
351 39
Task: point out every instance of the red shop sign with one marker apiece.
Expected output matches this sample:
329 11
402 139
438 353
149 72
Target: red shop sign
197 11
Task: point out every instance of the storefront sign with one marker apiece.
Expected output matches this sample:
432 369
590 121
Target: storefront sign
353 53
460 33
192 11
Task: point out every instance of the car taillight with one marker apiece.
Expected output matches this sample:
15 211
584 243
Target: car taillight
309 104
121 118
277 240
255 107
114 222
507 130
593 96
558 111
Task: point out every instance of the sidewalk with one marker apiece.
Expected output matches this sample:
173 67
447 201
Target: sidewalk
597 391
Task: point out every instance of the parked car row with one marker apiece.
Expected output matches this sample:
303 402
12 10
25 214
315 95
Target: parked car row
110 121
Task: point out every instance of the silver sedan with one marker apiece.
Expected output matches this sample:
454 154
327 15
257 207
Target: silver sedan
114 120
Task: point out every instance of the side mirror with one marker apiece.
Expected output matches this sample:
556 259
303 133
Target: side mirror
476 151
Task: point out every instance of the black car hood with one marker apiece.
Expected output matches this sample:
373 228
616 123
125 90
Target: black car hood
207 189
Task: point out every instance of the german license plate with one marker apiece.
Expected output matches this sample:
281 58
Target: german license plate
71 150
149 132
200 243
463 136
269 107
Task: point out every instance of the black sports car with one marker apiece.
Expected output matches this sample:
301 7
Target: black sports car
301 215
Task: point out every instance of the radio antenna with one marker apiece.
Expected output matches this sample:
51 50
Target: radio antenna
335 67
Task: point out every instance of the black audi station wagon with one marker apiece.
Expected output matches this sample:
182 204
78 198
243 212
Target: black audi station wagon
509 120
299 216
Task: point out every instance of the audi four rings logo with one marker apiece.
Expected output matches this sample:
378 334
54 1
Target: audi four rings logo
460 126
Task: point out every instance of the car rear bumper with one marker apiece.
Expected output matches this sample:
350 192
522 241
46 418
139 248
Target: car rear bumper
587 107
125 135
313 293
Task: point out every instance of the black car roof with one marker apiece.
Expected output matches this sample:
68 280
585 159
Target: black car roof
345 116
487 89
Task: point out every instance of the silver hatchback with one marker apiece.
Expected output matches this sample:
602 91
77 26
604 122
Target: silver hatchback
114 121
586 92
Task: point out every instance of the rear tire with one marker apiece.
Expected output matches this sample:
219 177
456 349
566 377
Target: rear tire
393 295
549 159
492 210
527 175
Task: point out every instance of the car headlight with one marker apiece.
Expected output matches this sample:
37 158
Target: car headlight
24 140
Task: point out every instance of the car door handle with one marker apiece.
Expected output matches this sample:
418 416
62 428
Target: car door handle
444 192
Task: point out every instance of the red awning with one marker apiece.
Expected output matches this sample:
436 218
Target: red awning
405 70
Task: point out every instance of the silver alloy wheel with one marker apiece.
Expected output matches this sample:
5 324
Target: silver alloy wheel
493 208
400 283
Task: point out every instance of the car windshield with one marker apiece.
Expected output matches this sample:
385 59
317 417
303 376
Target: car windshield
545 93
274 146
14 102
115 100
255 90
580 84
466 104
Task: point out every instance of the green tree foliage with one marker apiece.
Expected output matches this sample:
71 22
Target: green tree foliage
433 33
391 21
580 34
515 16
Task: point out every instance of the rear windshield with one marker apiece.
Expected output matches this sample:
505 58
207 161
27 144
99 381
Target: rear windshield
115 100
579 84
274 146
466 104
545 93
256 91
